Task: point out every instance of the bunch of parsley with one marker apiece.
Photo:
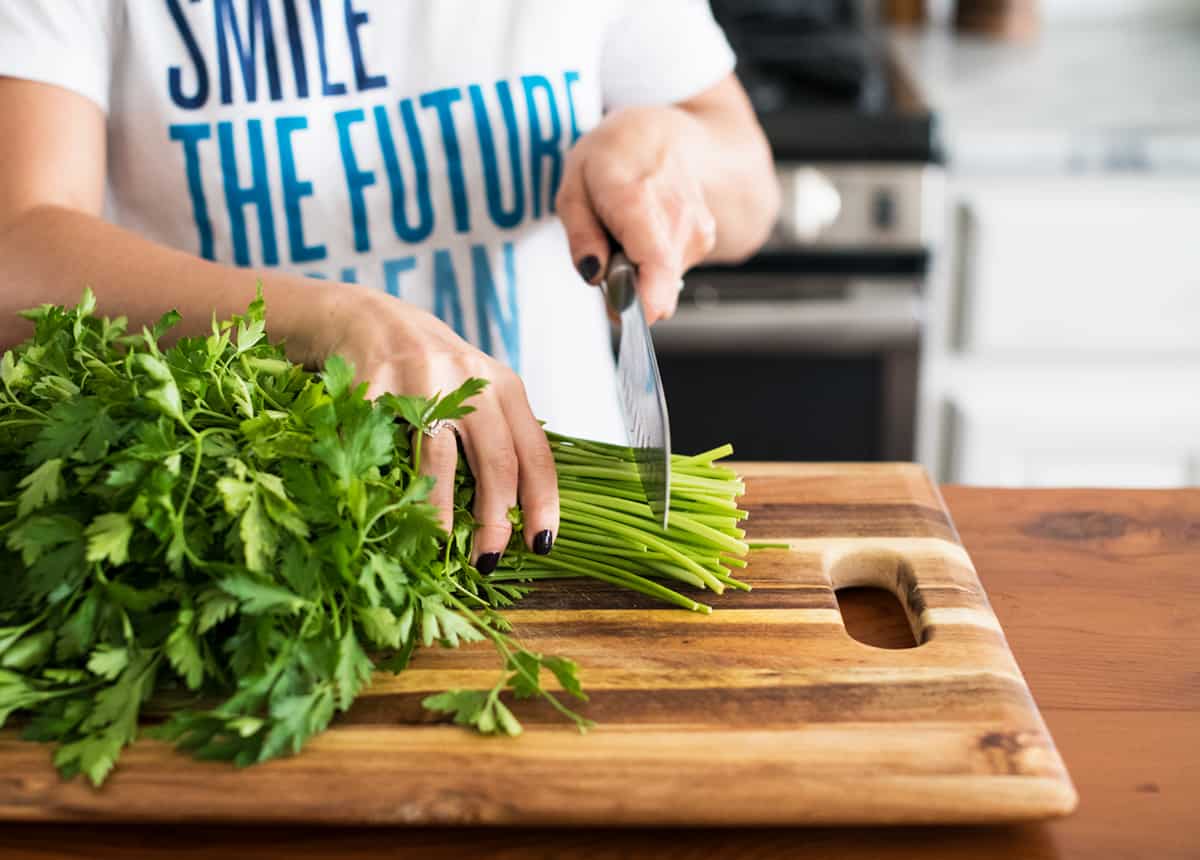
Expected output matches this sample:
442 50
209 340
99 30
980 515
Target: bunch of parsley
214 534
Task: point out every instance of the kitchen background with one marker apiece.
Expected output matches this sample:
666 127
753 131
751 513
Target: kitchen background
988 257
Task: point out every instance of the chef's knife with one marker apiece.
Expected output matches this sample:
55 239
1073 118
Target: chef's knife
643 403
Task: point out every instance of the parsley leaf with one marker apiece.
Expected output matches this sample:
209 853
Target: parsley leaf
259 597
108 538
41 486
567 673
481 709
361 443
108 662
183 650
353 669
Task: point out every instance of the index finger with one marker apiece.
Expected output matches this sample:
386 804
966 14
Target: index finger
585 235
645 238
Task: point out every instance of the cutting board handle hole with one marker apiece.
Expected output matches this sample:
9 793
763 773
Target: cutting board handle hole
873 616
865 585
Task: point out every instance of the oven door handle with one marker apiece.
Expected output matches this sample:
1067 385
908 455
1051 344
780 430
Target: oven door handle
856 324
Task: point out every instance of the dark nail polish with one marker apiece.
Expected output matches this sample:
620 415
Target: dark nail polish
589 267
487 562
542 542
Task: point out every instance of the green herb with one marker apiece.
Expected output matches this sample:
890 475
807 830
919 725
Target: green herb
216 534
609 533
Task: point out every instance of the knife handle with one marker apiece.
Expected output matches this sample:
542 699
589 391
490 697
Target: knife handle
620 281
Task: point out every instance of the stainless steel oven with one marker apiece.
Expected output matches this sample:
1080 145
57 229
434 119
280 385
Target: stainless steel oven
793 367
809 350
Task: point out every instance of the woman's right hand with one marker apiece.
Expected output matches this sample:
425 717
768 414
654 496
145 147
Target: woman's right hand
400 349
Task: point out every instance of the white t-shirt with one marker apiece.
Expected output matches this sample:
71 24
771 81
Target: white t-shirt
412 146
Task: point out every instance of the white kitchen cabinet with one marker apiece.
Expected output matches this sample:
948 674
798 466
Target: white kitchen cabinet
1062 331
1063 334
1023 427
1096 266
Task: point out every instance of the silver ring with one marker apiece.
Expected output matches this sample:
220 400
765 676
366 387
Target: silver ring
680 287
438 426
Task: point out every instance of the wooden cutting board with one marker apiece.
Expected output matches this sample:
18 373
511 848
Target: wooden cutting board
766 712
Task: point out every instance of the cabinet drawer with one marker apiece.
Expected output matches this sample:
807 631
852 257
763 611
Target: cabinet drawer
1075 265
1059 440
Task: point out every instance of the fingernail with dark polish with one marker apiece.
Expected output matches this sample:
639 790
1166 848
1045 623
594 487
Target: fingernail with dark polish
589 267
542 542
487 562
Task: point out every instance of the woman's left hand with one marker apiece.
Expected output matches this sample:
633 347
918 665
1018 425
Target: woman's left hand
630 177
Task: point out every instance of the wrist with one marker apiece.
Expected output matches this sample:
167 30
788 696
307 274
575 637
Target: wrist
309 314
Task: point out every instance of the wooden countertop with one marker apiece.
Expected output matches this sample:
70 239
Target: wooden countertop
1099 593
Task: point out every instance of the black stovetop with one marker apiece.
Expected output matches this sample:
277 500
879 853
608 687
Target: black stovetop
824 84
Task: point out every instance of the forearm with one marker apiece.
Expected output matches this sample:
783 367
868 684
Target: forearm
50 253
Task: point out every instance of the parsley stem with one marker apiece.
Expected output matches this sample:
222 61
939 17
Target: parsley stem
609 533
623 524
573 564
416 449
503 644
25 408
187 493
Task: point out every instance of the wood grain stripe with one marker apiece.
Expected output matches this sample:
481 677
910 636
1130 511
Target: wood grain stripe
732 678
847 520
646 625
775 649
943 616
588 594
584 594
661 619
376 775
970 697
825 484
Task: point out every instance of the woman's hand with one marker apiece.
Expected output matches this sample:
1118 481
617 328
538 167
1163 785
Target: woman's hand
630 177
401 349
675 185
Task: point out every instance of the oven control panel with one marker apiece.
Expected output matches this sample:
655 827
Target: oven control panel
834 206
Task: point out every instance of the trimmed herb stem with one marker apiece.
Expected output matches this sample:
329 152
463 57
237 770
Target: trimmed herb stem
609 533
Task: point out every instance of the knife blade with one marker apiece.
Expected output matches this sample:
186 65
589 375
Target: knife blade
643 402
